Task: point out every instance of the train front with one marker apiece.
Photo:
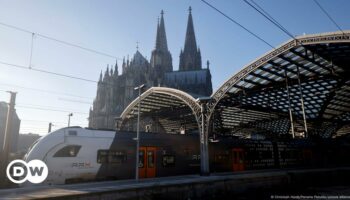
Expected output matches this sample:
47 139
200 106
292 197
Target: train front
39 151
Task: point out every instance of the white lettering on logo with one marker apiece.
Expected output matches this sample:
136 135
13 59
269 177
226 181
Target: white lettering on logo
35 171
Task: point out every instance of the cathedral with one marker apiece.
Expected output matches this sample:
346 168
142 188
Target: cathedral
116 90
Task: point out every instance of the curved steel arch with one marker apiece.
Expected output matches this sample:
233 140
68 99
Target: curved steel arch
332 37
196 108
184 97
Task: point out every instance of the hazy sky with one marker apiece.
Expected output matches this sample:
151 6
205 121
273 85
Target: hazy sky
115 26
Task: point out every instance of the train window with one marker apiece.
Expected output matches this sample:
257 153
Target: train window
102 156
72 133
150 159
107 156
68 151
168 161
116 157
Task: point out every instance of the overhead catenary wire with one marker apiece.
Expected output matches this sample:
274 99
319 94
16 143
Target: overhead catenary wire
265 14
238 24
280 26
45 71
49 107
74 101
54 110
44 126
59 41
268 17
328 15
30 67
53 73
40 121
45 122
34 130
64 124
33 34
40 131
44 91
50 72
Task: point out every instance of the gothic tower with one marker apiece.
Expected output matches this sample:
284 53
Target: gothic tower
161 60
115 89
190 57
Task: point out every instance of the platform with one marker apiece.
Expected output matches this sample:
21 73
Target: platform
181 187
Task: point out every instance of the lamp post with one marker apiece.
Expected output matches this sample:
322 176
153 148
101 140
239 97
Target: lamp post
70 115
139 88
50 126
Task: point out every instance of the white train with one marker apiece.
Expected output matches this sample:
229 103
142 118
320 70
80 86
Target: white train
70 153
76 154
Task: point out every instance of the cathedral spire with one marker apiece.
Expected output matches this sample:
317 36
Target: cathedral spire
161 42
100 77
161 60
190 57
116 71
127 61
190 41
106 76
123 66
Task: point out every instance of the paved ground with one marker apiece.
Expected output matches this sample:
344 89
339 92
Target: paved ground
100 187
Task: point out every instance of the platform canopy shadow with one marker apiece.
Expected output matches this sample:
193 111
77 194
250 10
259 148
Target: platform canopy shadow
300 88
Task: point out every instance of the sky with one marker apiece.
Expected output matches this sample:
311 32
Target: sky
114 27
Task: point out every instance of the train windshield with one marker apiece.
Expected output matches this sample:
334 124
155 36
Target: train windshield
34 143
30 148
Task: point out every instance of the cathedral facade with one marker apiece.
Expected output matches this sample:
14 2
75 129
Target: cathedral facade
116 90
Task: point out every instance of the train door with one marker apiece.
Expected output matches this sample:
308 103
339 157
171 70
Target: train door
238 159
147 162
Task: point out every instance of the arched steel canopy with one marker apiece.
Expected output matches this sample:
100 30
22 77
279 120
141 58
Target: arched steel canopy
256 98
171 109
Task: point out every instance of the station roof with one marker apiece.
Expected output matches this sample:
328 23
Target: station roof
310 70
316 66
173 109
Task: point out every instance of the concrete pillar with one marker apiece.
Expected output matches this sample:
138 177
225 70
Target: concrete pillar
8 128
5 151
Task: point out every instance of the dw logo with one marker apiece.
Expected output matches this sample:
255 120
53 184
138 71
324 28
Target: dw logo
35 171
